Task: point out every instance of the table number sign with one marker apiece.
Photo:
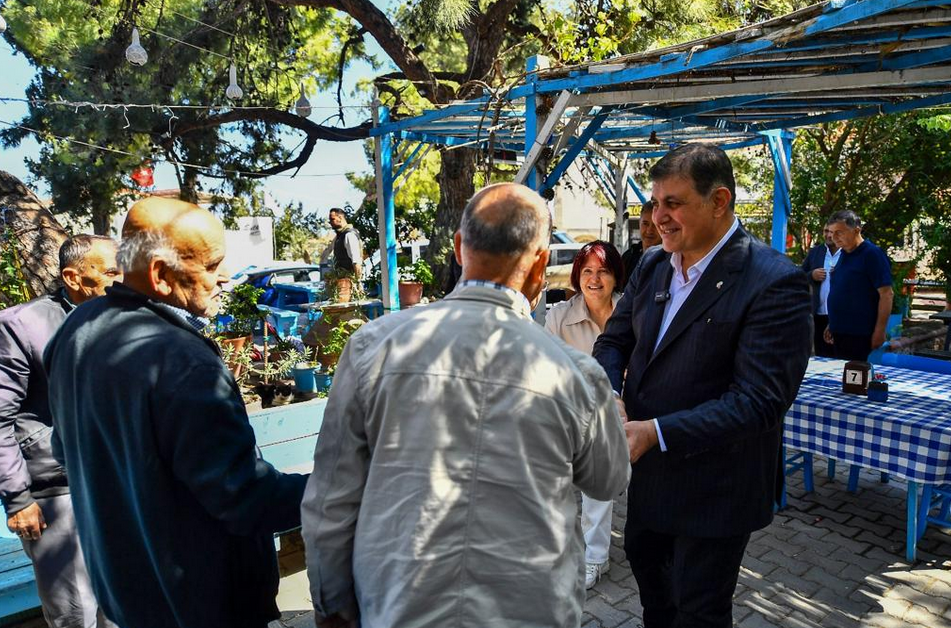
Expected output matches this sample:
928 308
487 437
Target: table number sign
855 377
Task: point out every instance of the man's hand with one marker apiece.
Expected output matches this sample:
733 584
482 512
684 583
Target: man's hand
827 336
819 274
621 409
641 438
27 523
878 338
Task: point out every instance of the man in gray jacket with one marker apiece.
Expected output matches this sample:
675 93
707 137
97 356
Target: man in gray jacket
454 438
33 485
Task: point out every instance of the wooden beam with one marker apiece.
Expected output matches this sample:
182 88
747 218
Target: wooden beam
785 85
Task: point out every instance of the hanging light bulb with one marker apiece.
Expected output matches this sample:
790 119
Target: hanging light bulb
302 107
233 92
135 53
3 24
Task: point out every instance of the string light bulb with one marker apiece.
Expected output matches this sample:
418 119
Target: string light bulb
135 53
233 92
302 107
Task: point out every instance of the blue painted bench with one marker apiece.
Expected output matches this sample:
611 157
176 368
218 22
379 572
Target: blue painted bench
286 436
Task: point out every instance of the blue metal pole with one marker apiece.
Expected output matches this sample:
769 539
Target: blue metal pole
387 215
531 114
780 147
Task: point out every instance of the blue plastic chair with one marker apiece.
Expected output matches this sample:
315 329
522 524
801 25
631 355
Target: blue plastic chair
934 497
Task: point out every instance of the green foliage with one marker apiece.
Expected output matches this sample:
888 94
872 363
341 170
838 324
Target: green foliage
13 288
891 170
242 305
336 340
77 48
417 272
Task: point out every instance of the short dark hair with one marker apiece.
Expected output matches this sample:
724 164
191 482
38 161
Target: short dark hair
647 207
74 250
605 253
338 210
515 234
706 165
849 217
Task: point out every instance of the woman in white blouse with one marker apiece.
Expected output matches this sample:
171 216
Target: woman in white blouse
595 278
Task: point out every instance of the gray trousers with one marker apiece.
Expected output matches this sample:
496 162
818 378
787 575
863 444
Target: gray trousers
61 578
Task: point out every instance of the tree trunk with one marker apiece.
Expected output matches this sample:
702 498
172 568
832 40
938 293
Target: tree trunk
102 218
189 190
35 234
456 187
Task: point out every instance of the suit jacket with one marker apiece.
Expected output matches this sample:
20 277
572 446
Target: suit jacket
719 384
816 258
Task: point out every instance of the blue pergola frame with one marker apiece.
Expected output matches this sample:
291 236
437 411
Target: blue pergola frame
837 60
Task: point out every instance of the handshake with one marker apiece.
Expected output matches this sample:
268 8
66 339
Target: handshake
641 435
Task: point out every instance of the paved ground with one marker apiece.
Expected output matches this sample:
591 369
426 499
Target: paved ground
831 559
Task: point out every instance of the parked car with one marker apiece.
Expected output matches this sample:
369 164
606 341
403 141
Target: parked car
277 272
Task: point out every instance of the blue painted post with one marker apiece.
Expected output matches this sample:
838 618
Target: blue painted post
533 64
911 523
386 220
780 147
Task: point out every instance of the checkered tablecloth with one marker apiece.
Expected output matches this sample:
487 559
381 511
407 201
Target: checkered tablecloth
908 436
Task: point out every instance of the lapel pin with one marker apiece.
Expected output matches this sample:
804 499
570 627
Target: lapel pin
719 285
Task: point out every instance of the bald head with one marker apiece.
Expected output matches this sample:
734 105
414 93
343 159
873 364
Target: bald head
172 251
503 238
505 219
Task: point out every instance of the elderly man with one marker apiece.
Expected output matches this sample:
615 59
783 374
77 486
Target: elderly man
33 485
707 347
443 490
175 509
861 294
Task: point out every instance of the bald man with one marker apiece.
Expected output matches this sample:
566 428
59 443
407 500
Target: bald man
175 510
443 492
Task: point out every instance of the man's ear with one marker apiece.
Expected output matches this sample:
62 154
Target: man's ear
72 279
721 198
161 277
457 247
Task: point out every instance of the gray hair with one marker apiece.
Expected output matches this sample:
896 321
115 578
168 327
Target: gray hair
73 252
138 249
849 217
519 231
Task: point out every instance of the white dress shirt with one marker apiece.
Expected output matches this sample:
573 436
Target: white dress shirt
831 259
680 289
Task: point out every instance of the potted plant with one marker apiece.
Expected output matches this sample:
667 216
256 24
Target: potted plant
413 279
239 317
340 285
308 374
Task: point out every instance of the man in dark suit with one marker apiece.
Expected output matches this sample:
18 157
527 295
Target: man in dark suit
818 266
713 332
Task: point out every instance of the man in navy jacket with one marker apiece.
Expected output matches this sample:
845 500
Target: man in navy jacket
175 509
713 333
819 265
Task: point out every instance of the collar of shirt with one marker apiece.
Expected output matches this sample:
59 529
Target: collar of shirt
68 305
197 322
578 309
694 272
832 256
520 301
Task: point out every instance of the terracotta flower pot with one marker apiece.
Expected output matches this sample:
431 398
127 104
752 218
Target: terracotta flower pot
344 290
237 344
410 293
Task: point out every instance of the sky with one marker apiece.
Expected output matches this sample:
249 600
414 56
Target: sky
320 185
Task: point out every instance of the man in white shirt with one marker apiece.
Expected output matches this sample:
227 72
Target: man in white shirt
818 266
707 348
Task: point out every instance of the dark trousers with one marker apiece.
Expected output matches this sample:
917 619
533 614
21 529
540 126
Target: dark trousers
823 348
851 347
685 582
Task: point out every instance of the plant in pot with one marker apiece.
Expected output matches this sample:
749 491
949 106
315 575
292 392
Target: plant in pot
239 316
413 279
341 286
